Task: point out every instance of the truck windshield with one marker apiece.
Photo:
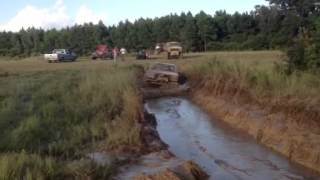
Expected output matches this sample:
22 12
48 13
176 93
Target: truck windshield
174 44
164 67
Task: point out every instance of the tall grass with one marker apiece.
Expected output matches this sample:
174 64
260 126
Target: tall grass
260 83
56 114
24 166
34 167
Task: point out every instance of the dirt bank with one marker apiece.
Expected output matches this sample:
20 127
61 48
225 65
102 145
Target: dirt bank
152 160
161 166
296 140
155 162
150 135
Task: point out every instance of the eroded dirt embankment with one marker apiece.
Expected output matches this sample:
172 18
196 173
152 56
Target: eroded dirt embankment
297 140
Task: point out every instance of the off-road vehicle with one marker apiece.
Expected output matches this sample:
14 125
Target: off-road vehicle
162 74
173 49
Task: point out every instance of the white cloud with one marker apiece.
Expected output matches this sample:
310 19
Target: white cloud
85 15
54 17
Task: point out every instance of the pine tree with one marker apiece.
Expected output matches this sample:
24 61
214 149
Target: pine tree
207 31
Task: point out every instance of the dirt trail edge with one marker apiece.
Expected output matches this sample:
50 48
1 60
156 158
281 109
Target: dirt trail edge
275 130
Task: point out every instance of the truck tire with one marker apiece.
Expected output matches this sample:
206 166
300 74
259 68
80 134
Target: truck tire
169 56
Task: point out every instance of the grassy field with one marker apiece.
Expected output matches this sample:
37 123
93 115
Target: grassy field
261 71
51 113
259 78
37 64
48 117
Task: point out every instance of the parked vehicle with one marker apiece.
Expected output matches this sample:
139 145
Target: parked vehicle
141 55
102 52
173 49
123 51
159 48
162 74
59 55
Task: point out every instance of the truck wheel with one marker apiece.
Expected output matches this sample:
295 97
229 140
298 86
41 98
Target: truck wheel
169 57
49 61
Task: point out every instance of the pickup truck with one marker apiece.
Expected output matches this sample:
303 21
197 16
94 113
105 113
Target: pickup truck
59 55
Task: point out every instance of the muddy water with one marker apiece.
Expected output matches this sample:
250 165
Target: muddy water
224 154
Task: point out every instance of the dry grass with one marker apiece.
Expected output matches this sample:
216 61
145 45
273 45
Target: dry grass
259 80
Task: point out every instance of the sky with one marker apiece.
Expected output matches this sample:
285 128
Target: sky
15 14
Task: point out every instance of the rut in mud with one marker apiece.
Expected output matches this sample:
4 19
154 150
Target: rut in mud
224 154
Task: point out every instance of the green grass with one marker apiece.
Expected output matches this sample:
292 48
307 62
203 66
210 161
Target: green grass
56 114
34 167
26 166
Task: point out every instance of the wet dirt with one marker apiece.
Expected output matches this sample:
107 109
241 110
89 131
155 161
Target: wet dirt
161 165
222 152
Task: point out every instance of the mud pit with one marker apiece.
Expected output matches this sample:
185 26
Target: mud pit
224 154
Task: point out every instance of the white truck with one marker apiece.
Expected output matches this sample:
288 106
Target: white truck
173 49
60 55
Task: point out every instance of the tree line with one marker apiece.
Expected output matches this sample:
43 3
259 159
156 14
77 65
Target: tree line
293 25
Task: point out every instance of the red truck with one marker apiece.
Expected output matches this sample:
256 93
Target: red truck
102 52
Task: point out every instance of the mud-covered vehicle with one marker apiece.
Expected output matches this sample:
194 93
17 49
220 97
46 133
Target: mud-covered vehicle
162 74
164 80
173 49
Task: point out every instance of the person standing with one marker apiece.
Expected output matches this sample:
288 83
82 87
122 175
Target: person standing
115 54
